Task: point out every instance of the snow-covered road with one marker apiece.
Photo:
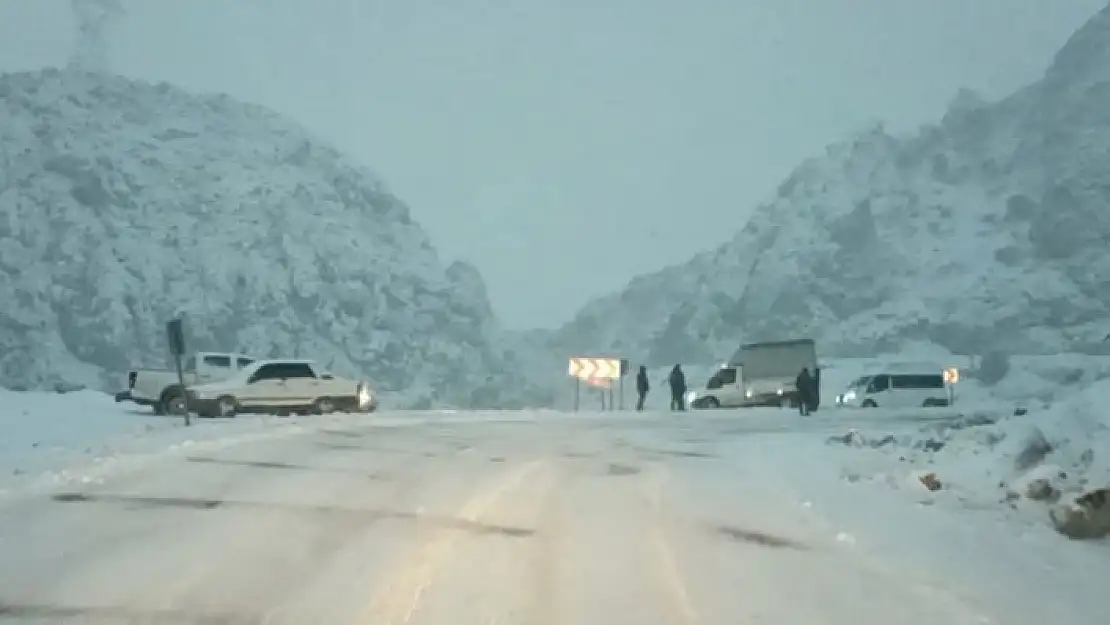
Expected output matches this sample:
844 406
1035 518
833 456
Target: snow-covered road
527 519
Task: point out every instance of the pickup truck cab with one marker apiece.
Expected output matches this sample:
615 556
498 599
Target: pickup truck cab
160 388
281 387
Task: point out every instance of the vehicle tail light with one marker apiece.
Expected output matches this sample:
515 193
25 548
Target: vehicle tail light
131 379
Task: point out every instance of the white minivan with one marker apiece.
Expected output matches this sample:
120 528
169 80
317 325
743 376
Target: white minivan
898 388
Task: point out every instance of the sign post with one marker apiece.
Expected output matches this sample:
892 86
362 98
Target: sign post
623 372
599 373
175 333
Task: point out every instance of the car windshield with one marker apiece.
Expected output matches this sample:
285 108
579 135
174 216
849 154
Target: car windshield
858 382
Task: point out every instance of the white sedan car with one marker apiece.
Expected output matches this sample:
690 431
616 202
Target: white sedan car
280 387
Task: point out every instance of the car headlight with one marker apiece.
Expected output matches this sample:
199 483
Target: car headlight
364 396
779 391
691 396
849 396
748 394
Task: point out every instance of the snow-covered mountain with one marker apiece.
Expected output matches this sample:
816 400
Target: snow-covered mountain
987 231
123 204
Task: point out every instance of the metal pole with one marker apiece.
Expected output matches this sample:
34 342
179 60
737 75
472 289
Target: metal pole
184 391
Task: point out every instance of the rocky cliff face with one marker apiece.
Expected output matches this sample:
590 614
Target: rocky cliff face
987 231
123 204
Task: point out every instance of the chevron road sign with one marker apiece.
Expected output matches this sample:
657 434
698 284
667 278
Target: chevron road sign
596 368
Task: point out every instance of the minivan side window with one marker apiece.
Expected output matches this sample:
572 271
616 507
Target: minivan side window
879 383
244 362
919 381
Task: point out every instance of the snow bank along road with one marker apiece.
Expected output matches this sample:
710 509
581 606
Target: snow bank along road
508 519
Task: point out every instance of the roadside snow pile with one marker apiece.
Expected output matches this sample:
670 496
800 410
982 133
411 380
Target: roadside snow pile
1046 379
1054 456
61 437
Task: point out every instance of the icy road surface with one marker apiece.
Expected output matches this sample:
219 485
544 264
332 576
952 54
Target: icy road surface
507 519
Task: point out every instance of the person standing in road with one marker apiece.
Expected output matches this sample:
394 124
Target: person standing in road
803 384
815 390
642 388
677 380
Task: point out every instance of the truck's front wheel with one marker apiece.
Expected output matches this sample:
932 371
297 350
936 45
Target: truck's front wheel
172 402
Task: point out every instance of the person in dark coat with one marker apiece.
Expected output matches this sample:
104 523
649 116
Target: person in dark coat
804 385
642 387
815 390
677 380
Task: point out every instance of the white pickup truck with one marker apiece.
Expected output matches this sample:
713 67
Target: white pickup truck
160 388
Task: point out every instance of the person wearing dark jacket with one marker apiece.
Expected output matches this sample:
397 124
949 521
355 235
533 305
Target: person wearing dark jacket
804 385
642 387
677 380
815 390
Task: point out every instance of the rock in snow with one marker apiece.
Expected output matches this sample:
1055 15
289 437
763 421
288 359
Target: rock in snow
124 203
986 231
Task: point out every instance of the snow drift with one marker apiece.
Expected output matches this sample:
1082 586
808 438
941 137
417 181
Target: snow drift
1050 454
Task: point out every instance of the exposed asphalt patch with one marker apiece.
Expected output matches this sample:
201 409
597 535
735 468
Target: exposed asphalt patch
341 446
677 453
257 464
342 433
119 614
262 464
369 515
163 502
621 469
757 538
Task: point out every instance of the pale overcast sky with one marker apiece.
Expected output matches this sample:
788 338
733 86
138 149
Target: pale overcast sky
564 146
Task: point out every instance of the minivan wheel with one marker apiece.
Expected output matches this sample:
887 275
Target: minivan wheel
870 403
324 405
711 402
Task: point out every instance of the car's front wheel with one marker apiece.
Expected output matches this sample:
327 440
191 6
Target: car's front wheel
226 406
324 405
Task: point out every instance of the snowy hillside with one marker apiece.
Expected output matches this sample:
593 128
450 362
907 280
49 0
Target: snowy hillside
984 232
124 203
